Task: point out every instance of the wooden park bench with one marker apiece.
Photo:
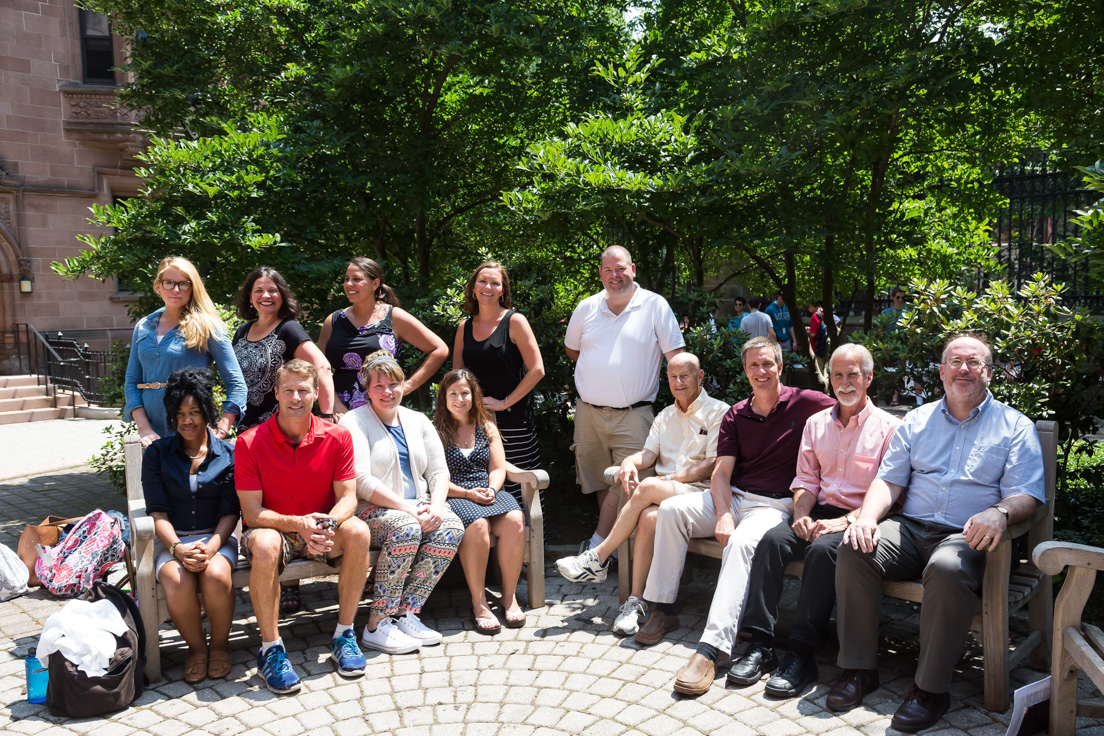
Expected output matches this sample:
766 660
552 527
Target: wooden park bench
1003 591
1076 646
151 596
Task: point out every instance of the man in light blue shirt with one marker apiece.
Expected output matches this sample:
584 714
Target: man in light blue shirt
969 467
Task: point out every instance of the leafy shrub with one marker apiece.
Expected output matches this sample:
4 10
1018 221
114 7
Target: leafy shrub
1049 360
1079 504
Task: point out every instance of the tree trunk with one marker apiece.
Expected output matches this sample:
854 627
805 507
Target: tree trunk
827 290
799 330
697 268
422 239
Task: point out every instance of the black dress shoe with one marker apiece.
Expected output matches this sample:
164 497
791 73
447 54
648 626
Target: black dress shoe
920 710
757 661
849 690
795 676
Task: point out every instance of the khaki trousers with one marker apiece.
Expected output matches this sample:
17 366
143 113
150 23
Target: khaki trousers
952 575
683 518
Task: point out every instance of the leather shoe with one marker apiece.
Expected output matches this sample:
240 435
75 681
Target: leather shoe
655 628
757 661
793 677
696 677
851 688
920 710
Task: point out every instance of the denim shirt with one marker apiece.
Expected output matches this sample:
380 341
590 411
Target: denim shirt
152 362
165 471
953 470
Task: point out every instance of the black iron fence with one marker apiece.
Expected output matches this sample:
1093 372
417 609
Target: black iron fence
61 362
1042 203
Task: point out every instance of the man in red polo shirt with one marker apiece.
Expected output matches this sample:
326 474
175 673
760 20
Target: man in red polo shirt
749 495
297 485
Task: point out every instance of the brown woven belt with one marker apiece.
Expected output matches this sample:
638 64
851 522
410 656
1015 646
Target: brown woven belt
153 385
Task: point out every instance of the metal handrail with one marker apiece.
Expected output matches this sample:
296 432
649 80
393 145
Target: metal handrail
82 372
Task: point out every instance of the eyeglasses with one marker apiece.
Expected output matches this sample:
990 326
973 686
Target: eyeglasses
899 296
169 285
971 363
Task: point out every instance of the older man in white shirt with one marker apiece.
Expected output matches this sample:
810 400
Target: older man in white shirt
682 444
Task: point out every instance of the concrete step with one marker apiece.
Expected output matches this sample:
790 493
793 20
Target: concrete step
26 403
35 415
12 381
20 392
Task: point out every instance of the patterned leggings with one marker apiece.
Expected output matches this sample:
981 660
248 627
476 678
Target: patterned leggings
410 563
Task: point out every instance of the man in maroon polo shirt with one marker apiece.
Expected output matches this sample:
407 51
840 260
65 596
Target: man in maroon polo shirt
297 485
749 495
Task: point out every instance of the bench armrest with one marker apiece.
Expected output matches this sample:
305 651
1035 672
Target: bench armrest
531 481
1023 527
1053 557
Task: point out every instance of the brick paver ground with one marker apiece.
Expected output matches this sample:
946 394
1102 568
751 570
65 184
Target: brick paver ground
564 673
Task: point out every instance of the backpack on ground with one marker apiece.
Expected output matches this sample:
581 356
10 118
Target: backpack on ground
72 693
91 547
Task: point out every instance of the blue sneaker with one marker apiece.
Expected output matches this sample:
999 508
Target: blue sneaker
276 670
346 653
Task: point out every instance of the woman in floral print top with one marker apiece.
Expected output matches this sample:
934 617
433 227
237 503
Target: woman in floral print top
373 321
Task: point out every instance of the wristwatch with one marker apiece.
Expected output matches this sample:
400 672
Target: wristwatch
1003 510
851 519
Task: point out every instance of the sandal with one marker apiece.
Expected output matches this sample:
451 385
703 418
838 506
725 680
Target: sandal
488 625
195 668
290 602
218 663
515 618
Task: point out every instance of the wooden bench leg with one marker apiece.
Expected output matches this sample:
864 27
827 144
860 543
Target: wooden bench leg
624 570
994 618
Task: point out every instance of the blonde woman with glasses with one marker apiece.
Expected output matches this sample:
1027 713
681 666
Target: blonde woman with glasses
186 332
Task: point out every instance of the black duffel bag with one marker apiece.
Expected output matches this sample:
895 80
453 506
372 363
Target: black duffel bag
72 693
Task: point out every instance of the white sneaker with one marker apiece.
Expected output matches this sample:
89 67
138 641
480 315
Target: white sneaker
413 627
584 568
388 638
627 622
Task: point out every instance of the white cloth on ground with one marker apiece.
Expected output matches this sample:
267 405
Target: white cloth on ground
84 633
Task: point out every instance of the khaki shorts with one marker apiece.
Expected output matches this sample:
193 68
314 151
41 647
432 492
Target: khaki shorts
295 548
605 437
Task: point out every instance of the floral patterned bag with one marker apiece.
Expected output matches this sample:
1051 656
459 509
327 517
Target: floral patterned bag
69 568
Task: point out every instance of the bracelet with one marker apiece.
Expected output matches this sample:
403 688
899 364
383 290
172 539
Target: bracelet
172 549
329 416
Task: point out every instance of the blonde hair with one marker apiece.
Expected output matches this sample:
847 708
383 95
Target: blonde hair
199 320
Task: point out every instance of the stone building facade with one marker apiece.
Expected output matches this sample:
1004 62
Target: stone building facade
64 146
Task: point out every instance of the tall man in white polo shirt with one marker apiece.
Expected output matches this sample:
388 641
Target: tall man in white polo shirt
617 339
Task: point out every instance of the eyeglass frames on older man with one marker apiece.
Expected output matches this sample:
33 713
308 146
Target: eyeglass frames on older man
971 363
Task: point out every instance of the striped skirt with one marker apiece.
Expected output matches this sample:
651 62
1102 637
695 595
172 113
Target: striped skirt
520 444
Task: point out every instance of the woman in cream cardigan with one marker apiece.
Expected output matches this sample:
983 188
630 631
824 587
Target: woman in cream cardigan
402 485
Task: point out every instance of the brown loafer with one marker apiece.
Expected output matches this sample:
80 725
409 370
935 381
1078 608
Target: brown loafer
920 710
696 677
658 625
195 668
218 663
851 688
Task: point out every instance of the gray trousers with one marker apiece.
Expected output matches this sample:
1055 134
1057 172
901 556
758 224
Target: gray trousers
952 575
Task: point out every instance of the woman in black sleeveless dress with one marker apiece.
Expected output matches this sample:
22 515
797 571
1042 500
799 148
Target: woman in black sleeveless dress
373 321
499 347
477 470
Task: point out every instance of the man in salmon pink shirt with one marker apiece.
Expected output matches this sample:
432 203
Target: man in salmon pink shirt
841 449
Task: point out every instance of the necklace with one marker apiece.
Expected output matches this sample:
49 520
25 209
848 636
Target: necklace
462 440
201 453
